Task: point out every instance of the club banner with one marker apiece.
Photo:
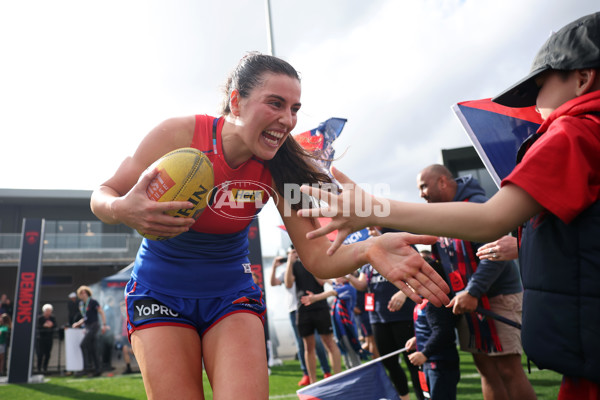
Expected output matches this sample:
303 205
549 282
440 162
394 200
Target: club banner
497 132
29 276
368 381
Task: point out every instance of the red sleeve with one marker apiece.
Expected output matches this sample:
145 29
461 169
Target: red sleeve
561 171
202 133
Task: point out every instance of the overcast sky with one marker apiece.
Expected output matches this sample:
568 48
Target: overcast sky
82 82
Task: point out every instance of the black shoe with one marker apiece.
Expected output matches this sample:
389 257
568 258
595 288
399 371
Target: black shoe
95 374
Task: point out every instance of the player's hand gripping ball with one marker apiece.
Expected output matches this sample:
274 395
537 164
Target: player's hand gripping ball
185 174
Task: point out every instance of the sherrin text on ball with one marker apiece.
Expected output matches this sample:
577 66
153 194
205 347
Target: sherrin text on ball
185 174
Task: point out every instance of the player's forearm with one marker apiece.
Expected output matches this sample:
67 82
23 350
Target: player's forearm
323 296
344 261
102 204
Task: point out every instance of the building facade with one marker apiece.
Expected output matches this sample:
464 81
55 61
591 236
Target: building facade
78 249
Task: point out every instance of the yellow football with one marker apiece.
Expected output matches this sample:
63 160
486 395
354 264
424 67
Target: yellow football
185 174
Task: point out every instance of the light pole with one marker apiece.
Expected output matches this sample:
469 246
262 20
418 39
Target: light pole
271 46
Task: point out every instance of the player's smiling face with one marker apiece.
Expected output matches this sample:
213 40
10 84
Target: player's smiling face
269 114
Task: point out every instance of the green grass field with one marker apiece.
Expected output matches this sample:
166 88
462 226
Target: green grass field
283 385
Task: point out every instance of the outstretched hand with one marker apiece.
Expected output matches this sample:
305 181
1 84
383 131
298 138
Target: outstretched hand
137 211
349 211
392 255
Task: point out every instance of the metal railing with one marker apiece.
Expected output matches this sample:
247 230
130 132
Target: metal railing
66 242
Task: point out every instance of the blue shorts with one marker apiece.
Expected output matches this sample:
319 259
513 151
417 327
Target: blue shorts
147 308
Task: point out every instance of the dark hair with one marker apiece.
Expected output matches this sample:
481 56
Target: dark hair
250 73
291 163
5 320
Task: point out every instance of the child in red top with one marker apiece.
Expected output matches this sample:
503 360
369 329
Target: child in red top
554 192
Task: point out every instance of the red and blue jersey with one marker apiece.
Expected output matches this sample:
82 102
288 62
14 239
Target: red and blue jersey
239 193
212 258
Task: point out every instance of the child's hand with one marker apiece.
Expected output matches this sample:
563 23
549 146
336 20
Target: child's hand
463 303
411 344
417 358
307 300
342 208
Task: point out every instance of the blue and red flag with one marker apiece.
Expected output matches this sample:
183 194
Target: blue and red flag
320 139
367 381
497 132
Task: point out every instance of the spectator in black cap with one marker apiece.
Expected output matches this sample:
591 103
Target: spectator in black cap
553 194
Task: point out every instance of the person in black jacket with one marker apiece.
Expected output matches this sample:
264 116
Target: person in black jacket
46 325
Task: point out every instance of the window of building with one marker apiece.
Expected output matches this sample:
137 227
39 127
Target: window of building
72 234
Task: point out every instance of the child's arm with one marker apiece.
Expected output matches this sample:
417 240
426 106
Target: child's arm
359 283
311 298
477 222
